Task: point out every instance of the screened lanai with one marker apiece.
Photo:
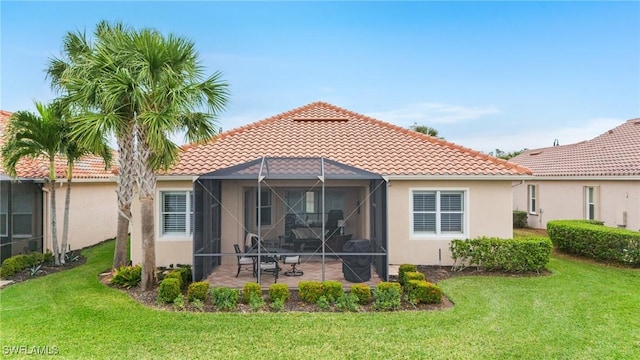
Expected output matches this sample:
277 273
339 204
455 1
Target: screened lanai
20 216
325 214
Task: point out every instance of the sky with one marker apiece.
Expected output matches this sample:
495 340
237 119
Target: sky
486 75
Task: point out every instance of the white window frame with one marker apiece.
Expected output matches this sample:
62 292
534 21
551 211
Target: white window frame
188 215
587 213
532 199
439 235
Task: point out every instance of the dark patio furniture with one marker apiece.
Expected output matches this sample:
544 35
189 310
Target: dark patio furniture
244 261
357 268
293 260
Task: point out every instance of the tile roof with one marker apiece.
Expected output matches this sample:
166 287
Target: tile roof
324 130
614 153
88 167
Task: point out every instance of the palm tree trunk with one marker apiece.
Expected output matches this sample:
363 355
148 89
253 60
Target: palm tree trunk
65 221
147 189
54 225
126 181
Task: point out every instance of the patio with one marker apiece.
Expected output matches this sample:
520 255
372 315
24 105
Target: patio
225 275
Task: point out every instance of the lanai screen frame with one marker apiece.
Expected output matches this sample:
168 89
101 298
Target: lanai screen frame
208 206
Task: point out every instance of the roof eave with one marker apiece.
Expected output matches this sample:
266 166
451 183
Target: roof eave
459 177
587 177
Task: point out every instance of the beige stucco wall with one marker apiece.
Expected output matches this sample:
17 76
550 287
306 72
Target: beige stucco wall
92 213
564 199
488 214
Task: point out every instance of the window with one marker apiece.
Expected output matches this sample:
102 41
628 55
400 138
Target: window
177 212
438 212
22 204
589 203
265 207
532 199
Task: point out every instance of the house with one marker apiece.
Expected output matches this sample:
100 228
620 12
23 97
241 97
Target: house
24 204
595 179
407 192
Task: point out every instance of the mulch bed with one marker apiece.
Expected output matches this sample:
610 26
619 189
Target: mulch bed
46 269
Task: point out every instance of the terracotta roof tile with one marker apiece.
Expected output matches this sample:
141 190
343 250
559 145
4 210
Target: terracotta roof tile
614 153
88 167
324 130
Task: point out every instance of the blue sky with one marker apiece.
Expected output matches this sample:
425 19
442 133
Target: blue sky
487 75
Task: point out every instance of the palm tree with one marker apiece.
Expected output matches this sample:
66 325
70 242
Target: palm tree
89 78
73 152
34 136
152 86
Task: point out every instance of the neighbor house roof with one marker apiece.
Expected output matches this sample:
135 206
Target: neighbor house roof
614 153
324 130
88 167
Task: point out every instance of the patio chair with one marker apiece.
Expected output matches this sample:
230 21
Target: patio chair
293 260
269 264
244 261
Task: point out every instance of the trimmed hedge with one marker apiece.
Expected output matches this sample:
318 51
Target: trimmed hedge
405 268
279 292
591 239
421 291
362 292
224 298
332 290
169 290
198 291
412 275
519 219
310 291
17 263
509 255
251 288
175 274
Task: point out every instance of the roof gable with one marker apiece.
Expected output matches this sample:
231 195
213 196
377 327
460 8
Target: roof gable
613 153
324 130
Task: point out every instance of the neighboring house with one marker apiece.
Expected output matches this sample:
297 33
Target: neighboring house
594 179
408 192
24 204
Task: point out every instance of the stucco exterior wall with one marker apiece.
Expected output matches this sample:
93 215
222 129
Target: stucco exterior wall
565 199
92 213
488 212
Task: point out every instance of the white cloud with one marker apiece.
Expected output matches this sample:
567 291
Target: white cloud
428 113
532 138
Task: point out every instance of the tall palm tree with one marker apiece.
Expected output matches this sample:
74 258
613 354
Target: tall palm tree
73 151
151 85
31 135
90 79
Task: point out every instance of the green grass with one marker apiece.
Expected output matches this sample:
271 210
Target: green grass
582 311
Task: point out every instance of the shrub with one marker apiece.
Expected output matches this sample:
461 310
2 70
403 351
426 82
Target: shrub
224 298
421 291
48 256
332 290
198 291
510 255
310 291
169 290
405 268
185 274
8 268
347 302
174 274
127 276
387 296
519 219
198 305
323 303
412 275
249 289
279 291
591 239
257 303
34 259
362 292
178 302
277 305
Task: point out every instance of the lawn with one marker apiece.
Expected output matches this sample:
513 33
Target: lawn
581 311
